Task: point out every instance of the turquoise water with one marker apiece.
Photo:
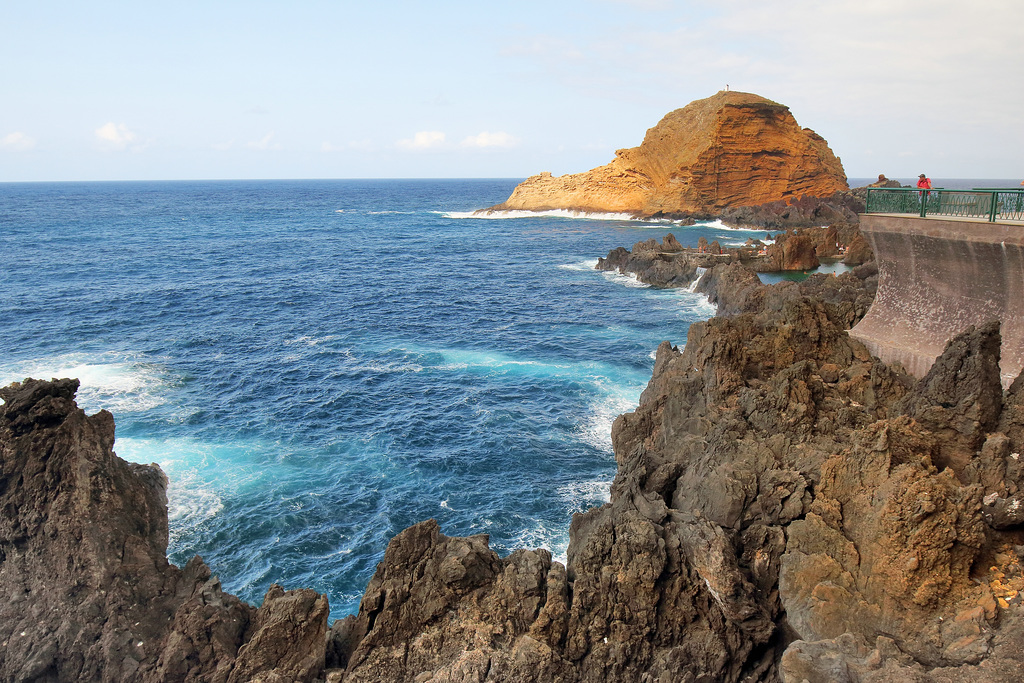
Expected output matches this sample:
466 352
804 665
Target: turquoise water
800 275
317 365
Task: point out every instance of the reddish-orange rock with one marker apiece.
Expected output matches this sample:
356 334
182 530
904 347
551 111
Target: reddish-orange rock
731 149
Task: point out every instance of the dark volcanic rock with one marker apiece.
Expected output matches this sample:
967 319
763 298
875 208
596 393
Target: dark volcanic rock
785 508
662 265
87 591
841 207
793 251
774 517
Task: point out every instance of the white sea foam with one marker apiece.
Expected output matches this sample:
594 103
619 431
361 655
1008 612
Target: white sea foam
696 306
576 497
611 400
554 539
583 495
554 213
192 498
115 382
359 364
626 280
464 359
311 341
588 266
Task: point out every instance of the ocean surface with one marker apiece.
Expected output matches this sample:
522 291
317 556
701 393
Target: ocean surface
317 365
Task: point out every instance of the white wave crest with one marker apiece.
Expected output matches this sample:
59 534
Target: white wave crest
717 224
626 280
483 214
588 266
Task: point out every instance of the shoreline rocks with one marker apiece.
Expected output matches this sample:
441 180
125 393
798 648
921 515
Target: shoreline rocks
669 264
785 508
88 593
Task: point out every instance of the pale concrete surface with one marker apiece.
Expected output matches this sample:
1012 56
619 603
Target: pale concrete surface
937 277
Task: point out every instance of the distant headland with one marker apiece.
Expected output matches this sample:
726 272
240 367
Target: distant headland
729 150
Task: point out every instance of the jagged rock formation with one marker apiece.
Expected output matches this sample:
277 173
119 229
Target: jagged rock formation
87 592
780 512
786 508
671 265
729 150
839 208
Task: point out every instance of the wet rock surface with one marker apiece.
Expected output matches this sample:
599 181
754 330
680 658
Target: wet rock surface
786 508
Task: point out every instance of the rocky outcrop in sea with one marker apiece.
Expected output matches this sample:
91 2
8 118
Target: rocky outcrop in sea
729 150
785 508
669 264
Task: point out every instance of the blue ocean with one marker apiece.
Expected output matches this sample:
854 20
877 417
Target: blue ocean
317 365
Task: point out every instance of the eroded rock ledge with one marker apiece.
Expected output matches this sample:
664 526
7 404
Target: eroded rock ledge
786 508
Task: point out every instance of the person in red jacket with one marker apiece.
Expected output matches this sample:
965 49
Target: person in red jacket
924 183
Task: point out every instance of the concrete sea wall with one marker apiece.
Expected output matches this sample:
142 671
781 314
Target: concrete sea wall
938 277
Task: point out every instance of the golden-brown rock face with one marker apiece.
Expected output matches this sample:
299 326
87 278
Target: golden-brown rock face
731 149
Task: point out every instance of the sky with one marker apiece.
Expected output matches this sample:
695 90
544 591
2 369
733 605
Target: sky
451 89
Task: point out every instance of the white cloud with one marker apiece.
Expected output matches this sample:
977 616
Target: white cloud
426 139
115 136
17 141
486 139
265 143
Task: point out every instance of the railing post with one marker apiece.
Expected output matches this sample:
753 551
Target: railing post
994 208
923 196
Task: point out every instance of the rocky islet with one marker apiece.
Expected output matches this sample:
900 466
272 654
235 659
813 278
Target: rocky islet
730 150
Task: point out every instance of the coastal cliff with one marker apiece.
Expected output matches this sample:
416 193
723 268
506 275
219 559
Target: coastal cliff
87 591
733 149
785 508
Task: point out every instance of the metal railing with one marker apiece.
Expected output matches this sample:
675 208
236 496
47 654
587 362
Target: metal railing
986 203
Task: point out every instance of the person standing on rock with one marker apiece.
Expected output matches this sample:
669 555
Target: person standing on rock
924 183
